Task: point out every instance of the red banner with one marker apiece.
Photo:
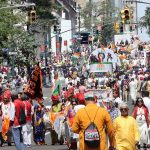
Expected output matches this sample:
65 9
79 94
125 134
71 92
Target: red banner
34 86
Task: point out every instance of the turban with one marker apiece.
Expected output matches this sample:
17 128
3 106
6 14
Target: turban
7 94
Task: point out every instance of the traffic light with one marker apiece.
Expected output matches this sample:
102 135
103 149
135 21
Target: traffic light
55 29
116 27
127 15
32 16
122 16
121 29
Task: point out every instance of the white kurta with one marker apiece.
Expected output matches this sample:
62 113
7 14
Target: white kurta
133 90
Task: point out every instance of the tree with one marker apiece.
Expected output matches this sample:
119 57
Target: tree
145 20
104 15
7 21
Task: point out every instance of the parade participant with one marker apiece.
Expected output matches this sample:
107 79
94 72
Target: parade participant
93 113
141 114
133 90
26 129
80 97
56 87
71 112
148 85
116 89
8 109
38 122
54 112
1 138
82 88
146 99
125 87
19 119
126 130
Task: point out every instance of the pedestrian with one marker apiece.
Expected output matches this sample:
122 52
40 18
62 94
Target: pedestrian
133 90
127 133
38 123
18 121
27 128
141 114
8 109
146 99
55 109
125 88
100 117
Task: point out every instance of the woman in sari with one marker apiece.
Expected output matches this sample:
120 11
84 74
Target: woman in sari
141 113
39 127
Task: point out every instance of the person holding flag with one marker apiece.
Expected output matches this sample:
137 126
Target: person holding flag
56 106
56 88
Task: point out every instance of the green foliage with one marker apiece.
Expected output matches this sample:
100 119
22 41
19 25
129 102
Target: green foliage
107 33
145 21
104 15
14 38
44 8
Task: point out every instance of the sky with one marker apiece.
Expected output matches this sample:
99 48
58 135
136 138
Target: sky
141 12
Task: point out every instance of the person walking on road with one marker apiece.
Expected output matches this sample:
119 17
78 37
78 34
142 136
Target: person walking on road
8 109
127 134
39 126
133 90
141 114
26 129
18 122
100 118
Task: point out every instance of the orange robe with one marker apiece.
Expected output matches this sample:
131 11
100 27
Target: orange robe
103 121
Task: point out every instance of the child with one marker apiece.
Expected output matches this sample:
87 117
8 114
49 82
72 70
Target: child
1 139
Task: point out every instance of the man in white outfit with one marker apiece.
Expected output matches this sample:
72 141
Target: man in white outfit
133 90
27 128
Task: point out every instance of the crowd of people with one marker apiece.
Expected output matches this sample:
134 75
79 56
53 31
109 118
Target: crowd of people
77 118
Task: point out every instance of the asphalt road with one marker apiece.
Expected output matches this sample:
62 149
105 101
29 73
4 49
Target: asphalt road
34 147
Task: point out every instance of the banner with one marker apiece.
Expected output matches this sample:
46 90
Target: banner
101 67
34 86
101 94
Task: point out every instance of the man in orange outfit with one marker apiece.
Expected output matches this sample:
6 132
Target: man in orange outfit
102 121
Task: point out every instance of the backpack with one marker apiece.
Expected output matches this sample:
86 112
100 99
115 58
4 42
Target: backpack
22 116
91 134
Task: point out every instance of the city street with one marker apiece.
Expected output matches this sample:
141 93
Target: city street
60 56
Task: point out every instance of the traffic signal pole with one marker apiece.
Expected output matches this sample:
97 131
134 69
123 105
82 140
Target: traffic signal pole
17 6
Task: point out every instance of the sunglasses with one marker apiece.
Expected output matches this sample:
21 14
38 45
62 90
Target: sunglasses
124 109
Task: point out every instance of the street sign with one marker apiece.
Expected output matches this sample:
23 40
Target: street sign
12 53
